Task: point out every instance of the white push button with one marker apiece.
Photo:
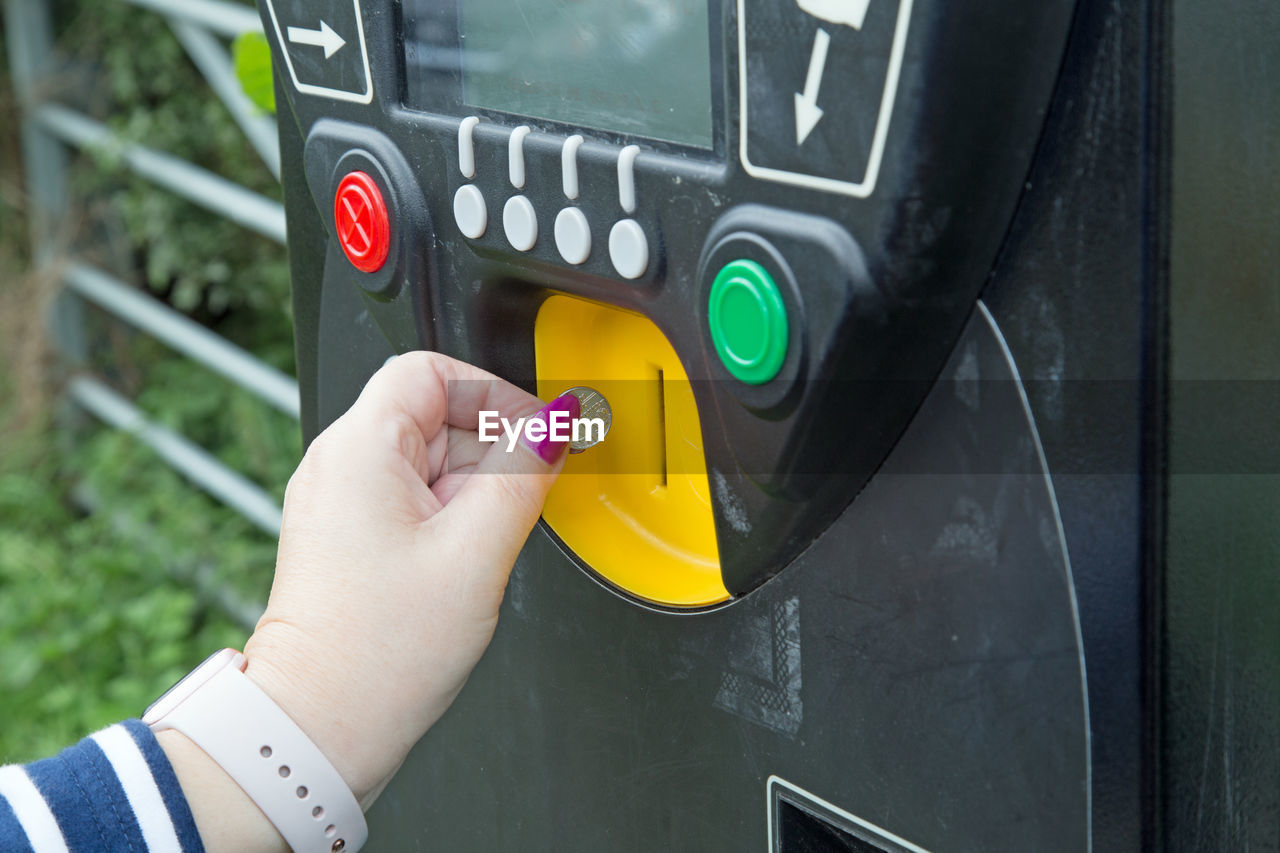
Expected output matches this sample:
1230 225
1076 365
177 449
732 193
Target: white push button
629 249
520 222
573 235
469 212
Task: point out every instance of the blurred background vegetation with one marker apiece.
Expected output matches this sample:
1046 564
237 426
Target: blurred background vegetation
99 541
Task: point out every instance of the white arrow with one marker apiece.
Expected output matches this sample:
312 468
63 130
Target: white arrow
851 13
807 110
324 37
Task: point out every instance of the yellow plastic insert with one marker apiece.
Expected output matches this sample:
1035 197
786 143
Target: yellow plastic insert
635 508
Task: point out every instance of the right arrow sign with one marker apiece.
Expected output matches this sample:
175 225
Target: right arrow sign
323 46
807 110
324 37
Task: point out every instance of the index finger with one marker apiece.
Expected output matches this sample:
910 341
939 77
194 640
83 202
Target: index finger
432 390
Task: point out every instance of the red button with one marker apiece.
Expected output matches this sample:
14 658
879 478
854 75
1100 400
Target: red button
360 214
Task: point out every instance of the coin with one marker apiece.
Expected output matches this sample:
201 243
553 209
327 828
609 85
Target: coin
593 405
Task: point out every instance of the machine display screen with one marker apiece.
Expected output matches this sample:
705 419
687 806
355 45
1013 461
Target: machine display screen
633 67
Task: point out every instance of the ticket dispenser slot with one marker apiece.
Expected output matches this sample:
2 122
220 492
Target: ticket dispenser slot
635 509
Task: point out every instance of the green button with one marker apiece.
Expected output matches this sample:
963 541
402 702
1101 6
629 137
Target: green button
748 322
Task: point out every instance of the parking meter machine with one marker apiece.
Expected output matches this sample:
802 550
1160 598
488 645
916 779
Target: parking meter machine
864 562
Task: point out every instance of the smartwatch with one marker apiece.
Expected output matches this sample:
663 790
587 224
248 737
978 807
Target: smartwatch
224 713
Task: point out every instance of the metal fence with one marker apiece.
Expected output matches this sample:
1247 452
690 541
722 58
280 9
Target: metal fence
48 129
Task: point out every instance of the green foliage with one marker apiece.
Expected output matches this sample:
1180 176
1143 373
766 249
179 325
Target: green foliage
115 573
136 76
252 55
97 610
244 432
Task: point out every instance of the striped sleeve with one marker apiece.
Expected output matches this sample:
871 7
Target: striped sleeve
113 791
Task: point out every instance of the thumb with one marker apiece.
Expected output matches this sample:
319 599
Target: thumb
504 495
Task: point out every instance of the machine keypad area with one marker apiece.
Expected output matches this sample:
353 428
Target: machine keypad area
570 230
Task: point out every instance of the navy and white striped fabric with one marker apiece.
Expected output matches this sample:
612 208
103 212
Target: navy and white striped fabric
113 791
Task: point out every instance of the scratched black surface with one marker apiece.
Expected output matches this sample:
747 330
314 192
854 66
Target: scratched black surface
1183 654
1220 784
1069 291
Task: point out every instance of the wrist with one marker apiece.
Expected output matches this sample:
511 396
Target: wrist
226 818
344 741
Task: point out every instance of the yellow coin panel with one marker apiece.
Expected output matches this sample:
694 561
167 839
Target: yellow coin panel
635 508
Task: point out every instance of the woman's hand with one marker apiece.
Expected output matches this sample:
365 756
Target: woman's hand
400 530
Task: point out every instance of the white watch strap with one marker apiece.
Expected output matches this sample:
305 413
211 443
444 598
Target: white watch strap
276 764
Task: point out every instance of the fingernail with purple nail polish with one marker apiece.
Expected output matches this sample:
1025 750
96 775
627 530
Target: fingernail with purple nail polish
542 440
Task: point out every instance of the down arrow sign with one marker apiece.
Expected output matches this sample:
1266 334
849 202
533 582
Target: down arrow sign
807 110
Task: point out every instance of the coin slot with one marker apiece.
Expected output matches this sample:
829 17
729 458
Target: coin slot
662 430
